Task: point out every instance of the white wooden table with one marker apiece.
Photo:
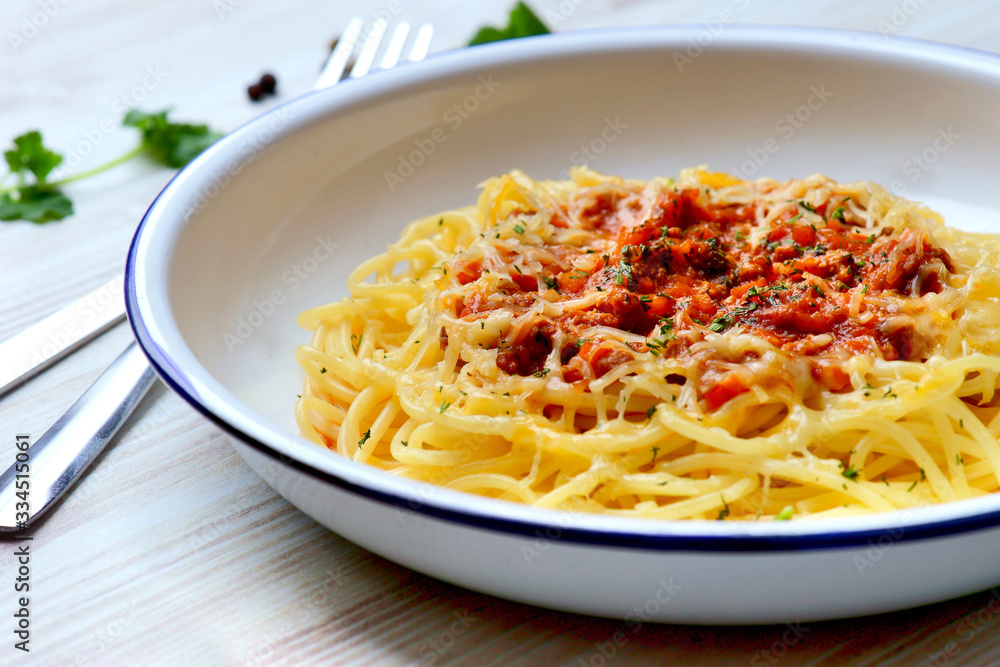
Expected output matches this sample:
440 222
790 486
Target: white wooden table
171 551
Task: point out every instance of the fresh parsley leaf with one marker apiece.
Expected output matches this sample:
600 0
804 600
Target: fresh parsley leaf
488 34
30 154
170 144
35 203
523 23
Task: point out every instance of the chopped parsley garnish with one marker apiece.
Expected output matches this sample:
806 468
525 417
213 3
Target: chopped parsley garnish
622 273
364 438
519 229
721 324
724 512
657 345
785 514
542 373
849 472
649 414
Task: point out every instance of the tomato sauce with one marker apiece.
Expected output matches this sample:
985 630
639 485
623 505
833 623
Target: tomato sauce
693 267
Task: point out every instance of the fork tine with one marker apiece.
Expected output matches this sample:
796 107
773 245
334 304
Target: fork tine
368 51
334 68
395 48
422 43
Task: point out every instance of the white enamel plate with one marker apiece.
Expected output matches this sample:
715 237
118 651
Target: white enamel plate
269 222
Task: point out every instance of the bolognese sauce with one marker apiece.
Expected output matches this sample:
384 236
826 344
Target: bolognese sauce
682 268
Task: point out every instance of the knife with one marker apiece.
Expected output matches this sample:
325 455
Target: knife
40 345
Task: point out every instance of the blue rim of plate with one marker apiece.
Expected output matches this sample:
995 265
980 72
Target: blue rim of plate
660 536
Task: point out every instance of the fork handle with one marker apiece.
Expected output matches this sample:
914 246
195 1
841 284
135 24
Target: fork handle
43 472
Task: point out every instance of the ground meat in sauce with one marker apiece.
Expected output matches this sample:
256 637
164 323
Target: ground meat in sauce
526 355
691 265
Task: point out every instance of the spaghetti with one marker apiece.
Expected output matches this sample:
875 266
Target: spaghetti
705 348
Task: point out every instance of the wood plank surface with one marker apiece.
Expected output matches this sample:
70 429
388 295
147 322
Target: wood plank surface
172 551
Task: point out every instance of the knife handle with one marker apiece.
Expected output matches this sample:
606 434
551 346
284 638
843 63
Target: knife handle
60 456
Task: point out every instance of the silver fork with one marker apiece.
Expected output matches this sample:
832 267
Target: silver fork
60 457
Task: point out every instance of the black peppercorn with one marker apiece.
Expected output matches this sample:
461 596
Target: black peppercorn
266 86
268 83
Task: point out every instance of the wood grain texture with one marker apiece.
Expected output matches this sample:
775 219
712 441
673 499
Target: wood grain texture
171 551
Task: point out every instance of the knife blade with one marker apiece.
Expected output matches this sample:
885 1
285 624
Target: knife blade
42 344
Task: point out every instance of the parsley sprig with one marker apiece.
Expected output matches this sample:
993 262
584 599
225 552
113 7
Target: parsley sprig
35 198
